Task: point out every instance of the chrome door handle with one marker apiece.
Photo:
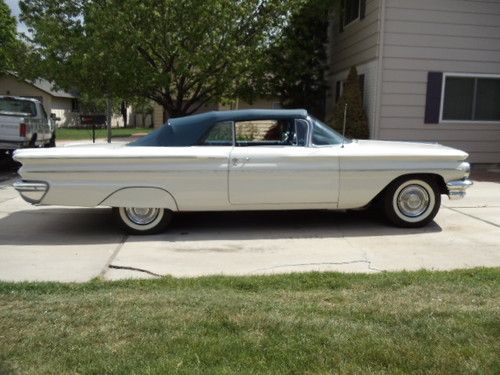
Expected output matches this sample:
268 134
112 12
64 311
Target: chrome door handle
236 161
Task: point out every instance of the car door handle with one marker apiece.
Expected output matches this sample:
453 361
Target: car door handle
236 161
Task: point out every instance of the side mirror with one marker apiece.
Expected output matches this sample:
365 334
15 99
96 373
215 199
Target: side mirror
54 117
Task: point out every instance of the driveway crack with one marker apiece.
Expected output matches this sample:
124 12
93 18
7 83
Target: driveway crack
112 266
474 217
113 256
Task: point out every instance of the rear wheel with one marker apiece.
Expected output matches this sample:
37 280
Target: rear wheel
136 220
412 202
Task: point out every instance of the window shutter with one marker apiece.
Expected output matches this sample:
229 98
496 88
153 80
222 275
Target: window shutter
362 9
433 99
341 16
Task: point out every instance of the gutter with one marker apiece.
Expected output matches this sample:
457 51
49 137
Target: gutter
380 71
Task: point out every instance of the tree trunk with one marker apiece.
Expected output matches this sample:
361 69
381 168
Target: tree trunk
109 115
124 113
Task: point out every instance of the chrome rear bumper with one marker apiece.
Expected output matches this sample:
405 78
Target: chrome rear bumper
456 188
32 191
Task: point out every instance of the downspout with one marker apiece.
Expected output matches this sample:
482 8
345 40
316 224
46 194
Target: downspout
380 71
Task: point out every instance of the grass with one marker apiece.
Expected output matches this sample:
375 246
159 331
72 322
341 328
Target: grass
321 323
80 134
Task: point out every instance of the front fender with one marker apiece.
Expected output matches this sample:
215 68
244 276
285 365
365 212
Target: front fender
144 197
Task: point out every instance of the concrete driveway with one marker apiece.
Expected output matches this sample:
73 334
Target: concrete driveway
77 244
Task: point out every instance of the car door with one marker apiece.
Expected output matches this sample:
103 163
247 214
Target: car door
271 163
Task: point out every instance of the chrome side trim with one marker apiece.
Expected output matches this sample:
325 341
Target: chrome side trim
31 191
456 188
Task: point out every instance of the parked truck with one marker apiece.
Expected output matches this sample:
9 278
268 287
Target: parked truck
24 123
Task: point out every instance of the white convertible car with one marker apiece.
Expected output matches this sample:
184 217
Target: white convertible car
245 160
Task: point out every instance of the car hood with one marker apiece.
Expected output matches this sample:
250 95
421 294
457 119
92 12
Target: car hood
404 149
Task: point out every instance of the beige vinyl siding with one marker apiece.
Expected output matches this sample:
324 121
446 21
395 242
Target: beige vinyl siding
358 42
15 87
450 36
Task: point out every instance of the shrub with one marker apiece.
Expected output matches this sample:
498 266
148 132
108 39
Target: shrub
356 123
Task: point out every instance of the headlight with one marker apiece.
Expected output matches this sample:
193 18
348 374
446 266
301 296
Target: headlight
465 168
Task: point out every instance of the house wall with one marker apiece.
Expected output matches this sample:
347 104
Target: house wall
61 107
14 87
452 36
357 45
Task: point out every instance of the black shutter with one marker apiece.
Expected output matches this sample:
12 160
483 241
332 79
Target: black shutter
433 100
337 91
362 9
361 79
341 16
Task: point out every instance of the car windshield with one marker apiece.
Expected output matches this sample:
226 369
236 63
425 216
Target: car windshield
17 107
324 135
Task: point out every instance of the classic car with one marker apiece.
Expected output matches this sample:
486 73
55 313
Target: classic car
245 160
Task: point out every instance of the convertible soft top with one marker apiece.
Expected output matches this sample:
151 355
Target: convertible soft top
186 131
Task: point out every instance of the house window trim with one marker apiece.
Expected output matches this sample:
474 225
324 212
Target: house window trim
465 75
354 21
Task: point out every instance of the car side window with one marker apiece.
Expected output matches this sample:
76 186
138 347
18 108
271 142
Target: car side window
272 132
301 128
220 134
323 135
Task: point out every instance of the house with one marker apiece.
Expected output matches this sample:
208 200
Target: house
430 70
63 104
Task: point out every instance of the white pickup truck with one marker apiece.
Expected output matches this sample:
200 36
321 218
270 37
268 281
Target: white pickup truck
24 123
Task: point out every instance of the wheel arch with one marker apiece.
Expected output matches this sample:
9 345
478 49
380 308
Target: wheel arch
435 177
141 196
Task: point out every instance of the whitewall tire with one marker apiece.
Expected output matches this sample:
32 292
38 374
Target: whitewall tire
136 220
412 202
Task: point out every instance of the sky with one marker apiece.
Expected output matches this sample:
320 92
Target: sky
14 6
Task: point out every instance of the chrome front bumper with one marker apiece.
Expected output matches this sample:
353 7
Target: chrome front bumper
32 191
456 188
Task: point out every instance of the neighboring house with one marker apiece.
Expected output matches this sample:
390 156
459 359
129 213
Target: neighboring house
64 105
430 70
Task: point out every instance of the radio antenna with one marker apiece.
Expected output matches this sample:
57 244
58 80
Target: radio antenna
343 126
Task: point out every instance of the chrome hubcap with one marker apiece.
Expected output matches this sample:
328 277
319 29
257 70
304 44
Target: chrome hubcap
413 201
142 216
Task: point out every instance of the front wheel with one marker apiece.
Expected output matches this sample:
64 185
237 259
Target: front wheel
412 202
136 220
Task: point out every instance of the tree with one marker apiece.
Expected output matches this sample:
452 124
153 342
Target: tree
356 121
295 65
181 54
8 39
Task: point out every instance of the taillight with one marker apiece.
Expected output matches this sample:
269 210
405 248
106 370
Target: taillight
23 129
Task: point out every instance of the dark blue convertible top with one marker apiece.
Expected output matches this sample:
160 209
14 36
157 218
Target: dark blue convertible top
186 131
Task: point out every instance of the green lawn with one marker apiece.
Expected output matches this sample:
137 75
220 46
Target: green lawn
321 323
80 134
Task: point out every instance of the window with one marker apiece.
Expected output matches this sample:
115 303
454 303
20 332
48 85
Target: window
469 98
75 105
17 107
351 11
282 132
324 135
221 134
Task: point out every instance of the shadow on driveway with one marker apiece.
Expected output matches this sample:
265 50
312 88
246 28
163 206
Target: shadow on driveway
64 226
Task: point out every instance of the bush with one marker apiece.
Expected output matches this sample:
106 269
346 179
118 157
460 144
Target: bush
356 123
